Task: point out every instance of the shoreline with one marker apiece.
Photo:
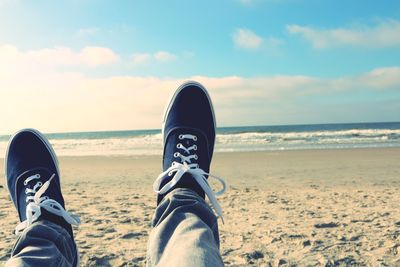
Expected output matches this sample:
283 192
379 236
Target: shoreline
235 152
275 167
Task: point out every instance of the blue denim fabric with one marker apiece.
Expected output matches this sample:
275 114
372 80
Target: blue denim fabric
43 244
185 232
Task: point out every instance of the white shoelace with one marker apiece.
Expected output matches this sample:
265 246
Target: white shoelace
185 166
36 202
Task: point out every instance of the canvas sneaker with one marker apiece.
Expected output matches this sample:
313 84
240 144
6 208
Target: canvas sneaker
33 181
188 136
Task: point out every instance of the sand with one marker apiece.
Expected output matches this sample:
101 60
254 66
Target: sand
283 208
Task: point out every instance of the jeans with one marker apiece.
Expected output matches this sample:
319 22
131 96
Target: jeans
43 244
185 233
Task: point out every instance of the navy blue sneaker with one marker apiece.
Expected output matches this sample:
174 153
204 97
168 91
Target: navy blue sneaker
33 180
188 136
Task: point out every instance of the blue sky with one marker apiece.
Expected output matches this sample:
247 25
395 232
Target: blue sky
264 61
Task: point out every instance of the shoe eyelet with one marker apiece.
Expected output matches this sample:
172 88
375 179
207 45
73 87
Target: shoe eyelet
176 154
37 175
195 138
196 157
181 137
179 145
40 184
195 147
26 191
170 174
25 183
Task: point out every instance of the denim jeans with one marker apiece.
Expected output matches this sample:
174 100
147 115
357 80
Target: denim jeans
43 244
185 233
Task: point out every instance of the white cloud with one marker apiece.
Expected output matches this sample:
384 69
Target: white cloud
141 58
160 56
93 56
386 33
52 101
245 38
381 79
59 56
164 56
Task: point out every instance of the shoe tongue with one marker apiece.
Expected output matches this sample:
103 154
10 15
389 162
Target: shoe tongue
44 175
173 139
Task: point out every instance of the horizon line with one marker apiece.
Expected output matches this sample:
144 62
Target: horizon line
221 127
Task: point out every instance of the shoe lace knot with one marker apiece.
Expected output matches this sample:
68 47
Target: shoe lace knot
36 200
188 164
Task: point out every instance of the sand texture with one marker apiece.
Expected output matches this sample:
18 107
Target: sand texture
286 208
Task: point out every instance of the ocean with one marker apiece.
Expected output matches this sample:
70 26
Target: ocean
229 139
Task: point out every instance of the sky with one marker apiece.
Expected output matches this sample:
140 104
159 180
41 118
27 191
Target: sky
84 65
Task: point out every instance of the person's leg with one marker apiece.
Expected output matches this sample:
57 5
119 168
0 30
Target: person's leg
185 229
33 180
185 232
43 244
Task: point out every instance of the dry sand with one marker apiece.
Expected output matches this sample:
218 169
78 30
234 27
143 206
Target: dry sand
286 208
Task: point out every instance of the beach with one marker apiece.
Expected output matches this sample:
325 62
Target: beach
328 207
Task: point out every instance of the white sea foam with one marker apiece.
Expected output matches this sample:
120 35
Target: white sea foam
151 144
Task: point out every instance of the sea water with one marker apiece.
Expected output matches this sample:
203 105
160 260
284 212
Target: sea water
230 139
